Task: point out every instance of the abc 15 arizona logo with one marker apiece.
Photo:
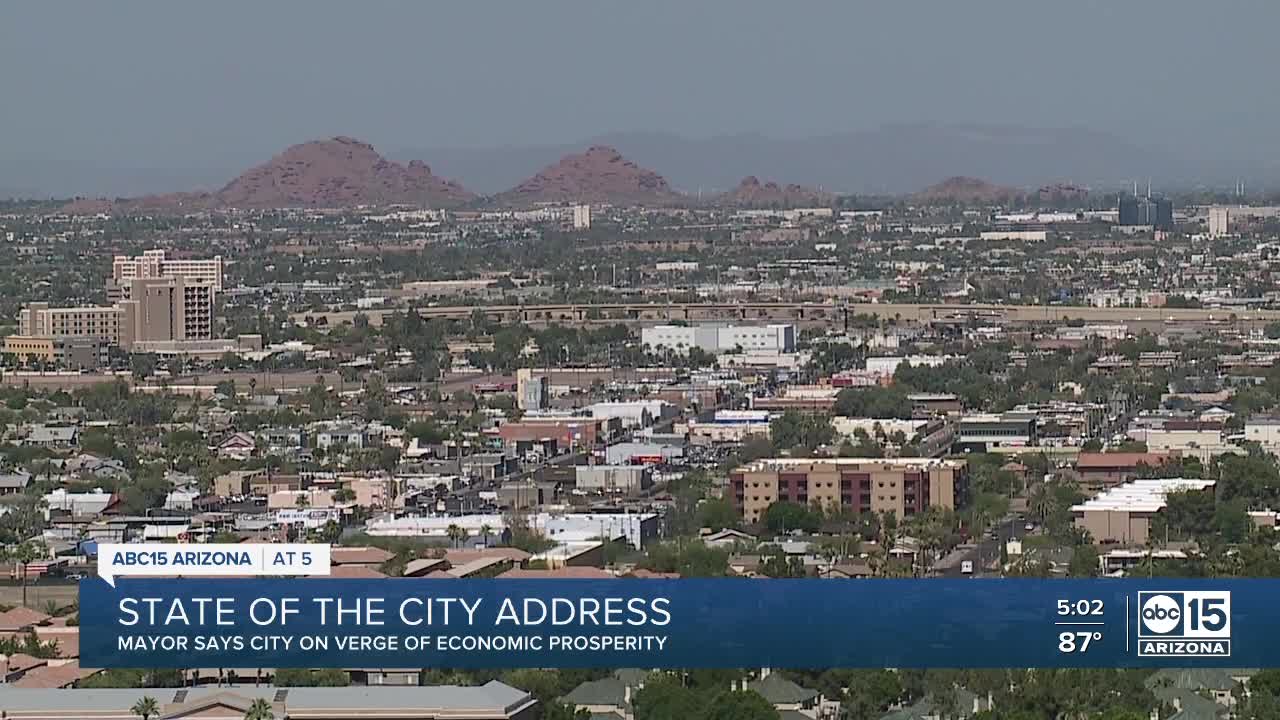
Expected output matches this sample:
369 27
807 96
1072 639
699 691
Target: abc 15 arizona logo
1193 623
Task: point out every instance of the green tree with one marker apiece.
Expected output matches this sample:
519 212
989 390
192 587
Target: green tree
783 517
146 708
259 709
740 705
294 677
1084 561
664 698
799 431
873 402
717 514
456 534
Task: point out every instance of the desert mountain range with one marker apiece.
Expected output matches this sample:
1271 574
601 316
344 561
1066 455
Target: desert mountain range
345 172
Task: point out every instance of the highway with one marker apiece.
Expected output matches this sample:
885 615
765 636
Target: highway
809 312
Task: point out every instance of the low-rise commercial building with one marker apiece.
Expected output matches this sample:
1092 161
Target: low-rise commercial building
637 528
1123 514
67 353
1193 438
558 433
713 338
985 431
629 479
1101 470
904 486
634 413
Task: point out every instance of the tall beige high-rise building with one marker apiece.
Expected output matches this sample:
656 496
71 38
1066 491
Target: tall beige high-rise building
167 308
170 308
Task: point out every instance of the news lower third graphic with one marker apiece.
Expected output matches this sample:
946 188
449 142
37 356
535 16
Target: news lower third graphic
314 622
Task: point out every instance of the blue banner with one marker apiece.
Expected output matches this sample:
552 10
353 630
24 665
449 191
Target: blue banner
963 623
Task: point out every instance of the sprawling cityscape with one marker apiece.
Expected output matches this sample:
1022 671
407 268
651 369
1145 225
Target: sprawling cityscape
595 375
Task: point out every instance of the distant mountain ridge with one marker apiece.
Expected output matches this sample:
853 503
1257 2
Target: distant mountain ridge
891 160
894 160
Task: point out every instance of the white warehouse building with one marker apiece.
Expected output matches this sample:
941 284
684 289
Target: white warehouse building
714 338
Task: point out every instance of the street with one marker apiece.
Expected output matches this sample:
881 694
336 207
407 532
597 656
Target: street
983 554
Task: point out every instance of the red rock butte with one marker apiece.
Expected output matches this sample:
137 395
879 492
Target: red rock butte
599 175
752 193
965 190
337 173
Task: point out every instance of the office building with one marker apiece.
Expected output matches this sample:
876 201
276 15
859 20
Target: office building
171 308
903 486
581 217
1147 211
154 264
720 338
984 431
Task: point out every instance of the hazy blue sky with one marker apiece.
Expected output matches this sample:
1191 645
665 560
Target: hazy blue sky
163 84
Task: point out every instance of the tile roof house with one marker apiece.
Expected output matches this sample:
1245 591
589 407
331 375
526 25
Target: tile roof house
965 705
492 701
367 556
588 573
356 572
1218 683
238 446
21 618
14 482
52 437
54 676
610 696
784 694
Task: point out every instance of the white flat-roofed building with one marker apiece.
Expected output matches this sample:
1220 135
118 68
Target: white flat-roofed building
1123 513
712 338
740 417
633 413
638 528
886 366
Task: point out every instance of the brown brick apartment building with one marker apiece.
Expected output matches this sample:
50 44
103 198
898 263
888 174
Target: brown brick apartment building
904 486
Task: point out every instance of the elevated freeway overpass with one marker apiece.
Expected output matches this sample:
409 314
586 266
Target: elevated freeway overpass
810 313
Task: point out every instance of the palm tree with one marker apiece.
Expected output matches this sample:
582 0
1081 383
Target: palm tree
485 530
456 534
260 709
146 708
1041 503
